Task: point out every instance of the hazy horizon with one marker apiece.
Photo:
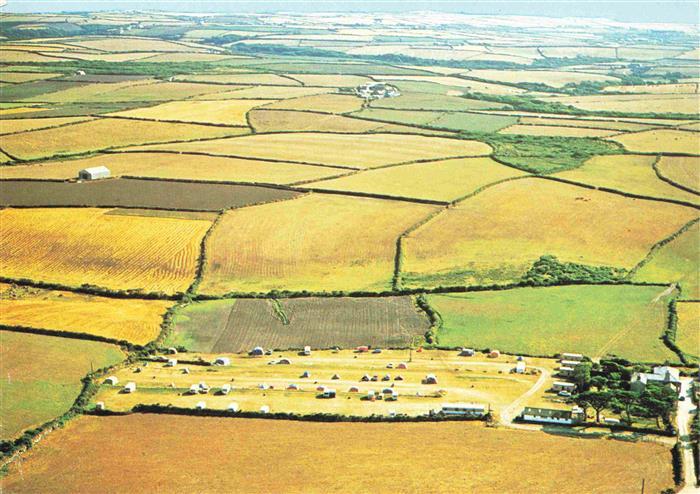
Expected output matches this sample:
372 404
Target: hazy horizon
676 12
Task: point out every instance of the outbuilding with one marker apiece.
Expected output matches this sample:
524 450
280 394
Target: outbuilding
130 387
94 173
571 356
468 409
112 380
284 361
520 367
362 349
293 387
100 405
335 377
307 350
563 386
365 378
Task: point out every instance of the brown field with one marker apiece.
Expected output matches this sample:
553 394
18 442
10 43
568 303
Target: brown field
578 122
628 173
332 149
18 77
77 246
246 79
493 238
554 78
681 170
104 133
80 462
551 130
25 124
265 92
296 121
232 326
316 242
136 321
329 103
177 166
688 336
330 80
228 112
634 103
126 192
445 180
661 140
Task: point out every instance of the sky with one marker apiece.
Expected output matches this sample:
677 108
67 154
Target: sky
645 11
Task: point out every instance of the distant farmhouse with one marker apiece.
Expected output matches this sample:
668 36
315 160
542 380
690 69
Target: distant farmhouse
665 375
94 173
377 90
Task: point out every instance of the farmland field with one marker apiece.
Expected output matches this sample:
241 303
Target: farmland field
551 130
126 192
77 246
230 112
101 134
675 262
591 320
687 336
330 103
80 461
329 149
239 325
136 321
297 121
41 376
25 124
429 101
444 180
549 77
633 103
663 140
504 238
287 245
683 170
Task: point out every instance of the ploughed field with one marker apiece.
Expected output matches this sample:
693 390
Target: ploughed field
471 458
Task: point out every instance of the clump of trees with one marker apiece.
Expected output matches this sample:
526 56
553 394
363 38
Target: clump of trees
548 270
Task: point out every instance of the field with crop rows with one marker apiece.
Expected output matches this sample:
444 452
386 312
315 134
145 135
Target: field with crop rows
687 336
683 170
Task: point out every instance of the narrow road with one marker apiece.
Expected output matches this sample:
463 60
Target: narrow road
683 415
507 413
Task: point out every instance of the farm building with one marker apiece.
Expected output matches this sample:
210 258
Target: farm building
566 371
663 375
94 173
520 367
430 379
550 416
571 356
263 386
222 361
257 351
494 354
112 380
307 351
264 409
130 387
468 409
466 352
232 407
570 363
611 421
563 386
200 405
225 389
186 370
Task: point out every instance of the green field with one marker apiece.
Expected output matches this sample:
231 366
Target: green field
435 102
687 333
41 376
592 320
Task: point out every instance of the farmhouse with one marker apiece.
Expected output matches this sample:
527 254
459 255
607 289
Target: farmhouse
222 361
550 416
94 173
468 409
663 375
376 90
130 387
563 386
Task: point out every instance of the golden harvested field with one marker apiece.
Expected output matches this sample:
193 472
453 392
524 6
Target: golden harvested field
265 92
633 103
246 79
109 57
594 124
161 91
85 245
79 461
84 92
317 242
22 125
15 56
495 236
554 78
660 141
18 77
368 151
330 103
330 80
653 122
551 130
688 336
444 180
21 109
104 133
136 321
228 112
124 44
628 173
295 121
190 57
173 165
576 51
682 170
685 88
474 86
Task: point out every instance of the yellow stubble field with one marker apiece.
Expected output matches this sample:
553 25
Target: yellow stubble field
683 170
660 141
86 245
226 112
